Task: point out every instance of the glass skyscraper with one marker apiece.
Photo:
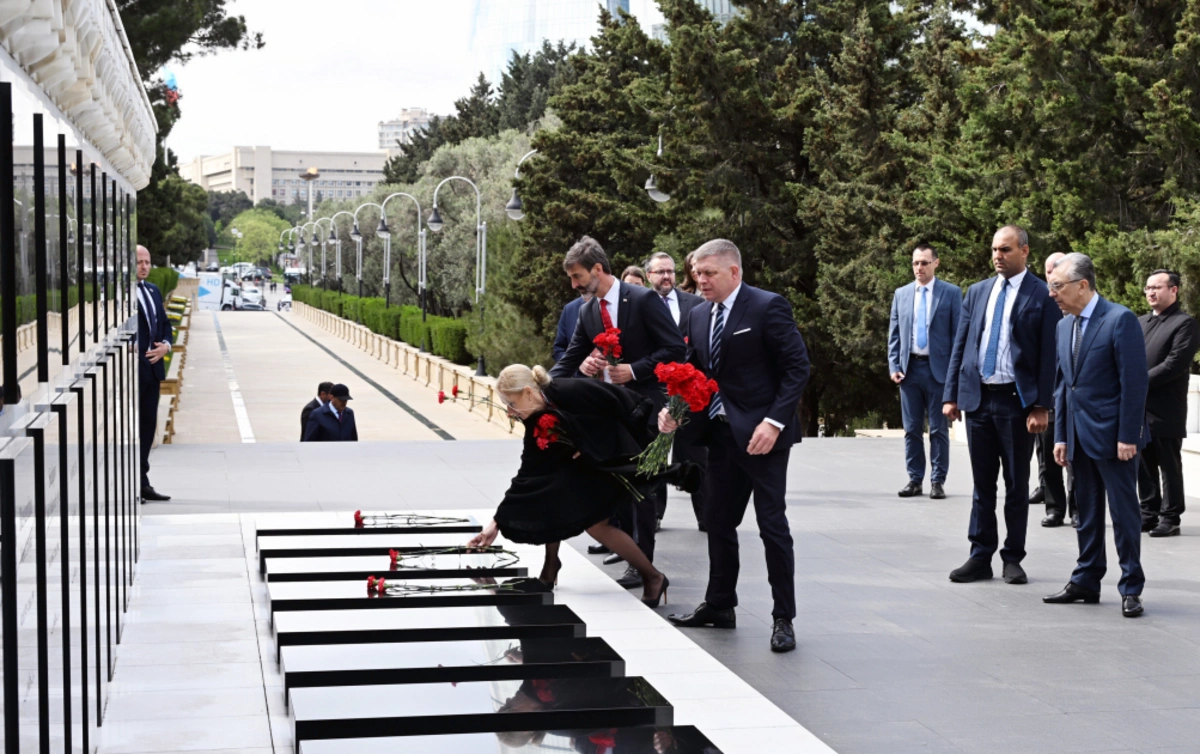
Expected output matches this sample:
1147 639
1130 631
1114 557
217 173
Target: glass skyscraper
502 27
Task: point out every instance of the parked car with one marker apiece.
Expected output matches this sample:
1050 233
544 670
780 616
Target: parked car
252 307
214 267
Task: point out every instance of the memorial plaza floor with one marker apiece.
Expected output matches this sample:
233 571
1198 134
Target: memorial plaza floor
892 657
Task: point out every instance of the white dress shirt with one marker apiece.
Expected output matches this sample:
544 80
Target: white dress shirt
672 304
917 313
1004 364
613 297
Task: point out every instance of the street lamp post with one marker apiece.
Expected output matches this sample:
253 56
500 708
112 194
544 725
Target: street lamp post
435 224
514 208
237 244
337 245
356 234
385 233
652 188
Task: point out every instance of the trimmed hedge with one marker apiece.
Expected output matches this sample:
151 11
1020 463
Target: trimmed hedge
165 278
443 336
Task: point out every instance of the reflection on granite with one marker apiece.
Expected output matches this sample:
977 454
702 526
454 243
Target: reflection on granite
414 566
677 739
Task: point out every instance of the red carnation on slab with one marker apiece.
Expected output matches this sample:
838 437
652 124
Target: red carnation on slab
358 519
381 586
370 583
395 556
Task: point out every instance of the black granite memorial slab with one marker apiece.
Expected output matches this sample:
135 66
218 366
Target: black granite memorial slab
669 739
414 566
476 707
448 662
352 595
337 545
480 623
374 522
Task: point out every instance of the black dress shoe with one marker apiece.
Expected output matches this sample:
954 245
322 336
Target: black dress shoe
972 570
936 492
148 493
1014 574
598 550
783 637
1054 519
613 559
1038 497
912 489
1165 529
630 579
1131 606
704 615
1072 592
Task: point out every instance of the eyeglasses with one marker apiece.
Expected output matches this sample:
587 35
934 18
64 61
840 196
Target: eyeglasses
921 263
662 272
1056 287
1150 288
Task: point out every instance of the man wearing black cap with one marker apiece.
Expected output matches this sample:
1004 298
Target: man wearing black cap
333 422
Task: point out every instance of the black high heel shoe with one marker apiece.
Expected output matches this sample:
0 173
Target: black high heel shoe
551 580
662 595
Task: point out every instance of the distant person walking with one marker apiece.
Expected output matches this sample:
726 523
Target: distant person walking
323 396
923 324
333 422
154 343
1171 342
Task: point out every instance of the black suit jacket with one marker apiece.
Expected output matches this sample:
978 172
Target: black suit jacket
323 426
687 302
649 337
305 413
146 339
764 364
1171 342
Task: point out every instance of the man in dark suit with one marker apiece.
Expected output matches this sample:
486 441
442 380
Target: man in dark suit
661 269
1171 342
154 342
566 327
649 337
923 324
1002 374
745 339
1100 425
333 422
316 403
1059 498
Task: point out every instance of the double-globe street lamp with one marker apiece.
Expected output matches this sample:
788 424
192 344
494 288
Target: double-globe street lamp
356 234
386 234
336 240
435 224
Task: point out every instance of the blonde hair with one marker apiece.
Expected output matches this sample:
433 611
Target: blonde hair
516 377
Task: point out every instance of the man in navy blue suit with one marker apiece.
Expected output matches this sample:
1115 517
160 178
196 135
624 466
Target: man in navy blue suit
1002 375
923 324
1099 427
333 422
745 339
154 342
566 326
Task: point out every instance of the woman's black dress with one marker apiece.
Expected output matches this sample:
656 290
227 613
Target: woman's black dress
555 496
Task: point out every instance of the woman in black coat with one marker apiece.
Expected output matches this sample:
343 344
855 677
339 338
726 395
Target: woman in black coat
578 474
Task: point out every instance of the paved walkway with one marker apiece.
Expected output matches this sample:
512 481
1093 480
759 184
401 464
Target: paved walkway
273 362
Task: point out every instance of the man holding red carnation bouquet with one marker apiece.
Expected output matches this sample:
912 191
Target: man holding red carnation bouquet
623 333
746 340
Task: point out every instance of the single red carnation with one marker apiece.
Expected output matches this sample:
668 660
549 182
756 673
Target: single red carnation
380 586
441 396
454 390
358 519
370 583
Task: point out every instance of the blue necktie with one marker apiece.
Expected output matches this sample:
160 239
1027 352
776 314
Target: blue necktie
989 358
714 359
922 325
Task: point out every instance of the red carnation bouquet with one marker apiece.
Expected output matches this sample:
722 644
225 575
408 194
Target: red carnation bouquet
689 390
608 343
547 431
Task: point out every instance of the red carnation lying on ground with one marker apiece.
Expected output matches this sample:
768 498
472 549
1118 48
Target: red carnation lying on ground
395 556
358 519
370 583
454 391
441 396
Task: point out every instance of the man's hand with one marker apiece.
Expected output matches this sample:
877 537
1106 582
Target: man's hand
1126 451
897 377
592 365
620 374
950 411
666 424
763 439
155 355
1060 453
1038 420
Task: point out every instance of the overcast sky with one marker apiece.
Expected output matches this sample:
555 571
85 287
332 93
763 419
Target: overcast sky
330 71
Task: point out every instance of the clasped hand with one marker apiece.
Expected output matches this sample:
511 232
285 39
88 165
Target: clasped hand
156 354
596 363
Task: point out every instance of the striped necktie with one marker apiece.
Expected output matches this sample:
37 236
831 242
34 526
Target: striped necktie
715 407
148 307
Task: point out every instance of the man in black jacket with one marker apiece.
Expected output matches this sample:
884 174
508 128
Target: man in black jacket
1171 342
648 337
153 343
321 399
333 422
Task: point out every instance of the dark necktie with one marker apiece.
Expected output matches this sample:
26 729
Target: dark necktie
714 359
604 318
667 301
148 307
993 347
1078 337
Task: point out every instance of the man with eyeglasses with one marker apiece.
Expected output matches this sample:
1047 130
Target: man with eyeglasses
1002 375
1099 428
1171 342
661 268
923 323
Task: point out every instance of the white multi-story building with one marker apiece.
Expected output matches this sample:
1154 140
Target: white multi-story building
722 10
400 130
265 173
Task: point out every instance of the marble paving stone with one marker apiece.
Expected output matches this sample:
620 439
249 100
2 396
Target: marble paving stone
164 677
171 705
184 734
190 653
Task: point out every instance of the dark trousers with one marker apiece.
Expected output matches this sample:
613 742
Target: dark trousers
1059 498
148 394
997 440
1093 478
732 475
1161 457
685 449
921 398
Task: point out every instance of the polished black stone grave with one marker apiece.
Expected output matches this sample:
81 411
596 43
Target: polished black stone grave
358 568
674 739
479 623
353 595
343 523
336 545
476 707
448 662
